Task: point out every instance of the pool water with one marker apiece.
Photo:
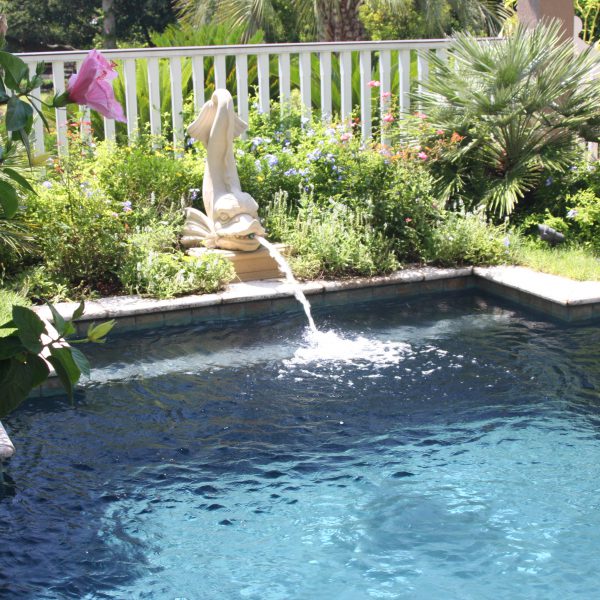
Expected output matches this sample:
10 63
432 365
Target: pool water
446 448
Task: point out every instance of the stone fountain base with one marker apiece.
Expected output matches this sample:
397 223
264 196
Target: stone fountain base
249 266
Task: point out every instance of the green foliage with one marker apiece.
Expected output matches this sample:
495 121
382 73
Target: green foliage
518 108
584 213
329 162
22 367
467 238
568 261
79 231
152 267
8 299
331 241
589 13
147 175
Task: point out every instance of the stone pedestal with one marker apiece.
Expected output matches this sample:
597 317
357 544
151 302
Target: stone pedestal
249 266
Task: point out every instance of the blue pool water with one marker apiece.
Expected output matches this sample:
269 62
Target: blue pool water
436 449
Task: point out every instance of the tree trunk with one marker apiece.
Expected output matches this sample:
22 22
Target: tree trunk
339 20
109 32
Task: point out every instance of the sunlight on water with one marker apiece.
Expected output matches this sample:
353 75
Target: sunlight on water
331 347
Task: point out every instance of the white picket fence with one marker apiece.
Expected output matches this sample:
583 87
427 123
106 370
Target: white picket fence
382 54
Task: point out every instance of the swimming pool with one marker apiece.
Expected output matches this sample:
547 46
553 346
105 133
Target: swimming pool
437 448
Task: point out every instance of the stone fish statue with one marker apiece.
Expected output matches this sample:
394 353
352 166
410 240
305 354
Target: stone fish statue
231 219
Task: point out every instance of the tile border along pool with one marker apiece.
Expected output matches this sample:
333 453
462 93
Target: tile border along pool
558 297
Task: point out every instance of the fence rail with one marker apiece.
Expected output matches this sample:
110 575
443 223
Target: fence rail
272 71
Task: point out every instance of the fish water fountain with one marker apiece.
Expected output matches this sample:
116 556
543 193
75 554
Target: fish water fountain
230 225
231 221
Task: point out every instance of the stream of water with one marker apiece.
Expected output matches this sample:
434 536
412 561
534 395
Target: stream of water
289 276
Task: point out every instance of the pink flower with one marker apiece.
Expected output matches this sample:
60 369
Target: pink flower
345 137
407 220
90 86
440 131
374 83
420 115
386 95
422 156
389 118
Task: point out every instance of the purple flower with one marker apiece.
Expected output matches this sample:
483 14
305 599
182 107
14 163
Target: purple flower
272 160
506 241
549 181
572 214
127 206
47 184
290 172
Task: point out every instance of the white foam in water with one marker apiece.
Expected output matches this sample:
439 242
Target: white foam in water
331 347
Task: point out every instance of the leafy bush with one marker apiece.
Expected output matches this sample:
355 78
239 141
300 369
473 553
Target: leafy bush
329 162
333 241
151 266
79 232
517 108
148 176
584 212
467 238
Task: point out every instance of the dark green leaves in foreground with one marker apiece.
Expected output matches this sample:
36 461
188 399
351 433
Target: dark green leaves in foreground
30 348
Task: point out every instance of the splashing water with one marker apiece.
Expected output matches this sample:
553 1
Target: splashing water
328 347
289 276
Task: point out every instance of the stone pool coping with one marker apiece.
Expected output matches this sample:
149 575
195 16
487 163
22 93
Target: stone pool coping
559 297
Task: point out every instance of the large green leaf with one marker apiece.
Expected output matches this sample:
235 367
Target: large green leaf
17 379
15 69
10 346
67 370
29 328
19 115
57 320
81 361
8 199
17 177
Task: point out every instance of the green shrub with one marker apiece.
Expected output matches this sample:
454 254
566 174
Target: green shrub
79 232
329 162
152 267
333 241
516 108
584 212
40 285
469 239
153 180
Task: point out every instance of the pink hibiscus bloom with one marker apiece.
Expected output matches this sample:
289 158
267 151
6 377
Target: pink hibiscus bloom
90 86
422 156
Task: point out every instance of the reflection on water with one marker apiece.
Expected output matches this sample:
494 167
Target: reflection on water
445 449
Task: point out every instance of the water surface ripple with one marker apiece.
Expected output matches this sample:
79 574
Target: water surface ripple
447 448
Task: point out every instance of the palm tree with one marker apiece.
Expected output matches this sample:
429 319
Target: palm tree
517 110
333 20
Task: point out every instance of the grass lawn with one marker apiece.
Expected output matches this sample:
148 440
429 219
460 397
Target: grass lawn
574 263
